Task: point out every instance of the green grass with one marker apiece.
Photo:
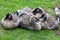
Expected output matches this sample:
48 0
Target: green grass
7 6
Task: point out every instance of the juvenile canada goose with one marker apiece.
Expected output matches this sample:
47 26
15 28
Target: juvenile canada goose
34 19
24 22
46 20
8 22
50 22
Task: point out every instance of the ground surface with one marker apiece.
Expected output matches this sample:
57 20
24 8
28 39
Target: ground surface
7 6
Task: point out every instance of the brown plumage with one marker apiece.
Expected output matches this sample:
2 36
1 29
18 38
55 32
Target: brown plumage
8 22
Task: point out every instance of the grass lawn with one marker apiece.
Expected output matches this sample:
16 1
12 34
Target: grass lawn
7 6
